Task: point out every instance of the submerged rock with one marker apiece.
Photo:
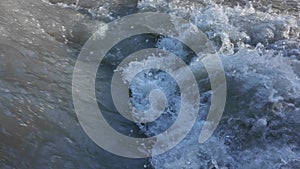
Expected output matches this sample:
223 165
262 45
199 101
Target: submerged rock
262 33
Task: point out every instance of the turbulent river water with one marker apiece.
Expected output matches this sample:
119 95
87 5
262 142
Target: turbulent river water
258 43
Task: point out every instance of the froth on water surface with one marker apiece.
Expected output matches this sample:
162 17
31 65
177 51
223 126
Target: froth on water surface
258 43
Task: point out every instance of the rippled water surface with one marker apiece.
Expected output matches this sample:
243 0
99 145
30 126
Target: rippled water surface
257 41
